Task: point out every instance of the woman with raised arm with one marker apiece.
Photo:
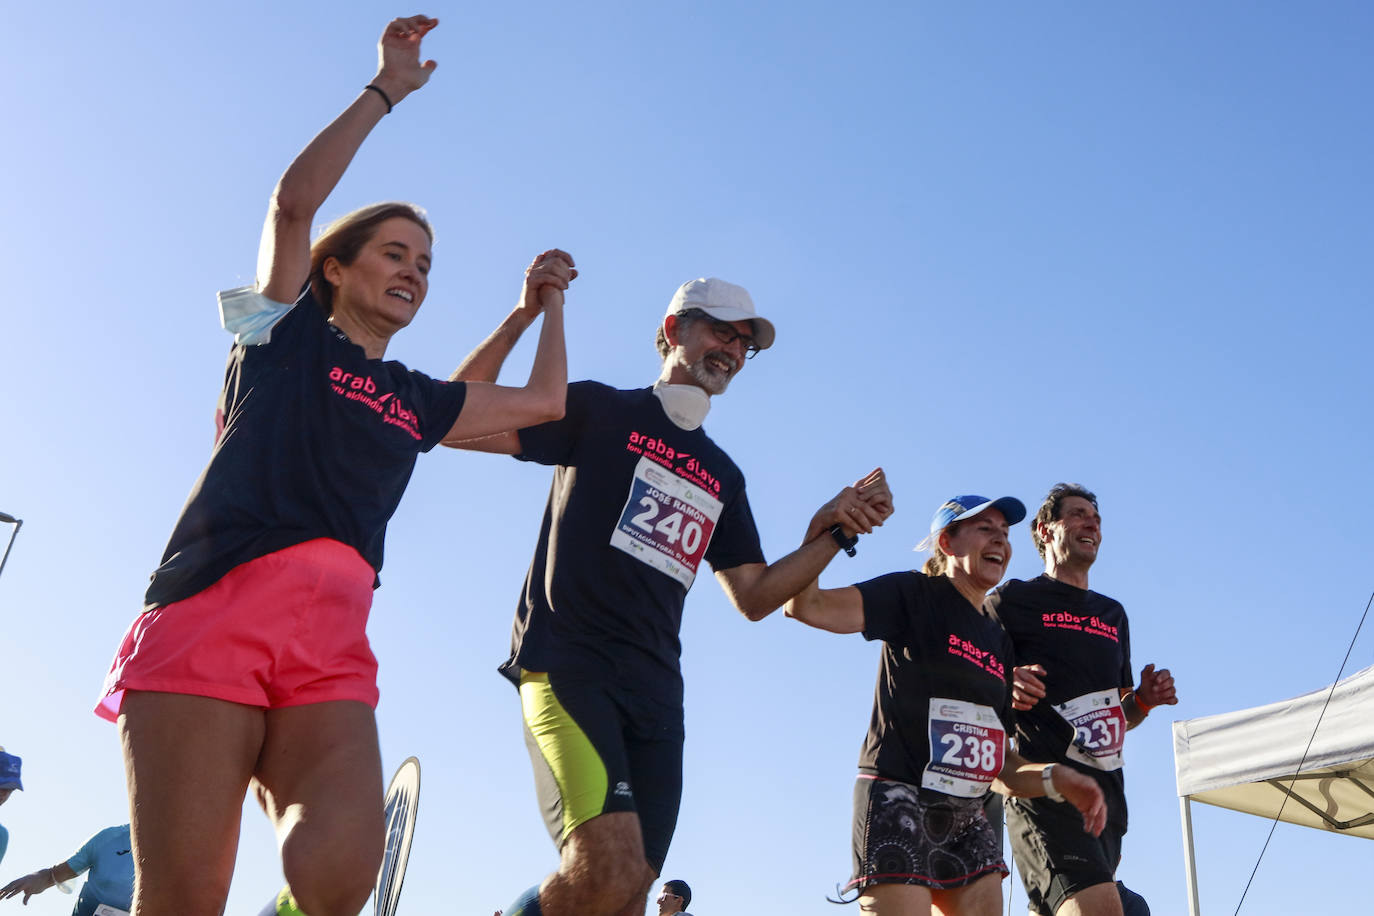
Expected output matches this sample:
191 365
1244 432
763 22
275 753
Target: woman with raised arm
937 738
250 663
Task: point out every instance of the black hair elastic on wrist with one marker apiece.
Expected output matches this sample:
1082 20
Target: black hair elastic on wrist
385 98
847 543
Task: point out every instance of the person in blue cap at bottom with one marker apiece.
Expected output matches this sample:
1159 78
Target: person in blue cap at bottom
937 737
9 781
109 884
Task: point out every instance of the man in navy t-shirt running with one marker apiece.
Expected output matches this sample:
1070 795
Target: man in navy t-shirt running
1074 691
641 497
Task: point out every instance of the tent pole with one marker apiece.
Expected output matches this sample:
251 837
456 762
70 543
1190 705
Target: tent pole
1189 863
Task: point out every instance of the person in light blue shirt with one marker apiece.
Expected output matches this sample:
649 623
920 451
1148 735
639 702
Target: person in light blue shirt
9 781
110 863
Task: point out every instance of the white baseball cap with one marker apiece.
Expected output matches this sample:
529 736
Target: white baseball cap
724 302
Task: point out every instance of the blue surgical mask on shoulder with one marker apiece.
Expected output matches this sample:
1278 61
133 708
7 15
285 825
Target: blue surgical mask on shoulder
249 315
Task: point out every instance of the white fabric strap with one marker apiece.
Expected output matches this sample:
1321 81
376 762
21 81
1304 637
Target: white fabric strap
685 405
1047 780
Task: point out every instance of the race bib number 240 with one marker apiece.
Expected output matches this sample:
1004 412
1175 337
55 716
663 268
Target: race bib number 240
667 522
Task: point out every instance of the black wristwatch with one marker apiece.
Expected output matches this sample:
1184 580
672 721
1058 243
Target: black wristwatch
847 543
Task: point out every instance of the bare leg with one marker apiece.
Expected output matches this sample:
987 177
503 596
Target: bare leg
636 905
320 780
895 900
981 898
188 760
602 872
1099 900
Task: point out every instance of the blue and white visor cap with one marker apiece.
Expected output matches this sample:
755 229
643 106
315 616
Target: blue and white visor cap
724 302
9 771
962 507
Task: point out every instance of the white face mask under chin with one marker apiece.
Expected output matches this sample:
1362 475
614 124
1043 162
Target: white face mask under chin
685 405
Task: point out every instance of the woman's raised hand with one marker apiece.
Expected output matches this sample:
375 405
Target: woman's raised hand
399 70
545 280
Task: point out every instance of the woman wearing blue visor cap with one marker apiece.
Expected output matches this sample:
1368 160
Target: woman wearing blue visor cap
936 741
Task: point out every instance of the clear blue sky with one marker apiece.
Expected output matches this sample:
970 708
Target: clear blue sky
1004 244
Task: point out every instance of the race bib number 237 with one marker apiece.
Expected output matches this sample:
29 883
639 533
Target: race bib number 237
1099 728
667 522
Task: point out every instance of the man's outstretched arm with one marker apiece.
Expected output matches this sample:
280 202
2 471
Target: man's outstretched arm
759 589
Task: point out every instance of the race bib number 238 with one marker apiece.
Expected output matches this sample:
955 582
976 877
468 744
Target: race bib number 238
967 748
667 522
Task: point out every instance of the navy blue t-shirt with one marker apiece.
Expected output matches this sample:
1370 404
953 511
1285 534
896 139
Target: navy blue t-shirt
936 647
1083 640
637 504
317 441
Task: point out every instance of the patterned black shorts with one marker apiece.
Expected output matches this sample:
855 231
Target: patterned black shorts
906 835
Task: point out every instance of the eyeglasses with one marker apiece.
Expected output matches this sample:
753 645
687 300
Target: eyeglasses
726 334
724 331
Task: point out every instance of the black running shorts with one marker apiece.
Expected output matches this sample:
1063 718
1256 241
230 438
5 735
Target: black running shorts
1055 856
598 749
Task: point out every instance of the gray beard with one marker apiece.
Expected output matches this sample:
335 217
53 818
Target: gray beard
714 384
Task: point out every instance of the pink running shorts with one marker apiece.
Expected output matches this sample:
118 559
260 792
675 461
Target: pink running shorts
285 629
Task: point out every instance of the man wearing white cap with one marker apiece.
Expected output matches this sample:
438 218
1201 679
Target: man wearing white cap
641 497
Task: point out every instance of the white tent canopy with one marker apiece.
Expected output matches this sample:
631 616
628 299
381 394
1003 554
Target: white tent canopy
1247 760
